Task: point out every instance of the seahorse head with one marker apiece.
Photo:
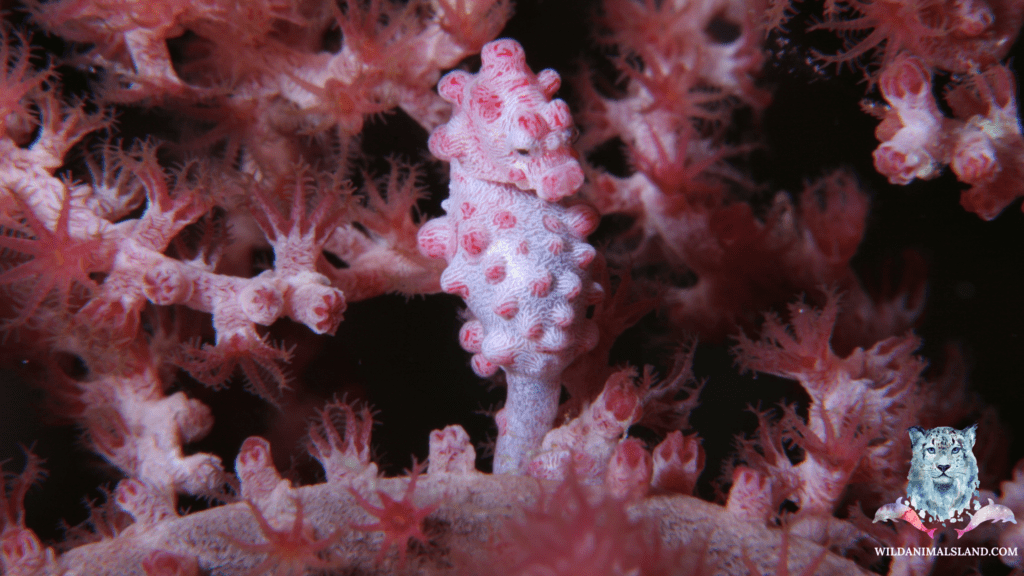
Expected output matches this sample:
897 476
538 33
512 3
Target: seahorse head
505 127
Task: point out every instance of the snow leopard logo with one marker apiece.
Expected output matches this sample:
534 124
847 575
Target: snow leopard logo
943 485
943 471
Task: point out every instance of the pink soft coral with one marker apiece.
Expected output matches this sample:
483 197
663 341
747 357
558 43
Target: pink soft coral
290 551
53 262
948 34
982 143
859 405
399 520
21 552
572 531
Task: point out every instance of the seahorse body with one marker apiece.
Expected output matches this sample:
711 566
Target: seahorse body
515 245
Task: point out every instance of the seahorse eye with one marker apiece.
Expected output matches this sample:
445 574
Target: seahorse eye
522 151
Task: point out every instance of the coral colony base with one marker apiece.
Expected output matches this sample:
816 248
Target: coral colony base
194 196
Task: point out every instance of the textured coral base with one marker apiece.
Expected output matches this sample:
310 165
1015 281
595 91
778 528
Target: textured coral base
462 532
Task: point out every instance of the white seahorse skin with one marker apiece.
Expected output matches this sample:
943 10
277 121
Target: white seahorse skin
514 241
